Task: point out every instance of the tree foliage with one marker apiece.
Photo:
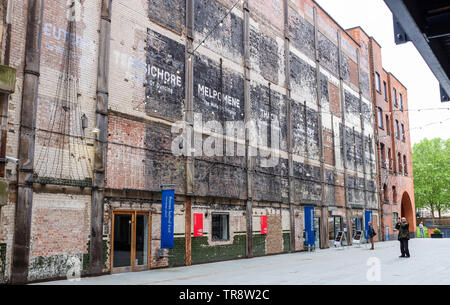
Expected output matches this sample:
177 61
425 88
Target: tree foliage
431 168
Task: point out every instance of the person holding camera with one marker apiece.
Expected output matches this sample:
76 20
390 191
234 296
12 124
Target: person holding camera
403 236
372 234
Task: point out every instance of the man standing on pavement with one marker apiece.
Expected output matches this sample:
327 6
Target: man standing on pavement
371 233
403 236
422 234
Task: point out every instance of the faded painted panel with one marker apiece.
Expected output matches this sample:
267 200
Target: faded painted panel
168 13
226 40
161 166
165 76
301 33
264 53
303 79
218 93
220 180
365 83
305 135
328 54
267 106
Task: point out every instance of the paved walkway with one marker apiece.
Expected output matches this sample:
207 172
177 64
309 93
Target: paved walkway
429 264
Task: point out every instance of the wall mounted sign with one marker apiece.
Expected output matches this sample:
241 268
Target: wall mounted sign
263 224
198 225
367 219
309 226
167 218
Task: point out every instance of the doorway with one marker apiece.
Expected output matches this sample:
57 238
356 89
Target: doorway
334 226
131 241
317 232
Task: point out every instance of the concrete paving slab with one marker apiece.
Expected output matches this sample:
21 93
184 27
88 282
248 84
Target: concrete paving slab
429 264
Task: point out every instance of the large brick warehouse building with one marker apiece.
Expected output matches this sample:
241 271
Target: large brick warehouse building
113 101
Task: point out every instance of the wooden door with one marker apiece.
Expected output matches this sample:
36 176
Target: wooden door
130 241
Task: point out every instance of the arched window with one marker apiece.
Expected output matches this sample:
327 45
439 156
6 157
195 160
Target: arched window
399 158
385 193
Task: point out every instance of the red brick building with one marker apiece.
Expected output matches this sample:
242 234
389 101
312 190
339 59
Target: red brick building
396 182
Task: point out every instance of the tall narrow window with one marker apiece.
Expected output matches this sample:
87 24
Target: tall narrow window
394 194
400 99
405 170
388 125
377 81
395 97
399 158
383 155
385 193
385 91
397 132
390 158
403 132
380 117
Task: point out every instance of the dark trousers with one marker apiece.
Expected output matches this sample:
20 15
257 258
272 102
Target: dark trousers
404 247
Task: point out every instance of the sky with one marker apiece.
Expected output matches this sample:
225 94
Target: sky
404 61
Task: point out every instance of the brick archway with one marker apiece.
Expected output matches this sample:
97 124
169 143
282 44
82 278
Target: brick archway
407 211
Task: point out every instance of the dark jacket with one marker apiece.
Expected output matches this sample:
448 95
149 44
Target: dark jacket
403 230
371 232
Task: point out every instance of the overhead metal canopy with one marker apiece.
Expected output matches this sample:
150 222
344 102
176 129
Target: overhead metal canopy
427 25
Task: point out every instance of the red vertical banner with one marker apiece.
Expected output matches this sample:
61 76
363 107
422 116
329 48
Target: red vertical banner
198 225
263 224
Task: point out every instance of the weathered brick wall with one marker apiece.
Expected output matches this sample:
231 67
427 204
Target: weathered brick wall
18 29
60 230
147 95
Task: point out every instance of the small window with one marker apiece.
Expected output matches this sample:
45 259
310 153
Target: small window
394 218
395 97
388 125
400 99
220 226
380 117
383 163
390 158
385 193
405 170
399 158
403 132
385 91
377 81
394 194
397 131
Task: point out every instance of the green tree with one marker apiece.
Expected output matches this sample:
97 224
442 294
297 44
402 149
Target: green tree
431 168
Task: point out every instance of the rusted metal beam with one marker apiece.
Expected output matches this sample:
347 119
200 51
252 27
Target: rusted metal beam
247 118
22 226
188 226
100 146
319 116
189 117
289 123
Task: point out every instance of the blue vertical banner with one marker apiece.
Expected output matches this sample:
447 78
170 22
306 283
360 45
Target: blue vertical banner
309 226
367 219
167 218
